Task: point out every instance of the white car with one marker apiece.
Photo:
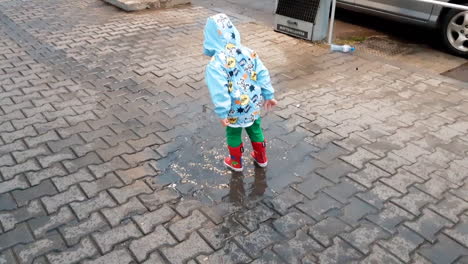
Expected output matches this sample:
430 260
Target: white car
453 24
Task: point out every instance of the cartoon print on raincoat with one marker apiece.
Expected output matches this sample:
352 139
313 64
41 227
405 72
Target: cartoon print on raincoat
236 78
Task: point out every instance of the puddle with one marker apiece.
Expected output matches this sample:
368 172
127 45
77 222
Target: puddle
195 168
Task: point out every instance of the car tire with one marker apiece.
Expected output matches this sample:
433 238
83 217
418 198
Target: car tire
455 32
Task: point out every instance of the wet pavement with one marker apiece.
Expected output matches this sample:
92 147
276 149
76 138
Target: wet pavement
372 36
110 152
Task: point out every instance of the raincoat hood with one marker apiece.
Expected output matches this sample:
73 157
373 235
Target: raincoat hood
219 32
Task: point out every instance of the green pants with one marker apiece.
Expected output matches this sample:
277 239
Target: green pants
234 134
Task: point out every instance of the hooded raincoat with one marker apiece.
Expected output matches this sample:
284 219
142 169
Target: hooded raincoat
236 78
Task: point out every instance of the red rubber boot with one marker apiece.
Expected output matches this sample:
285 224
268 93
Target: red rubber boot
234 161
259 153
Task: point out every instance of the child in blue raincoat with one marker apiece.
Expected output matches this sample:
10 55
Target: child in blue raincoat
239 86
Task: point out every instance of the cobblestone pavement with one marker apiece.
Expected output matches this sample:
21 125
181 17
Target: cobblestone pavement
110 153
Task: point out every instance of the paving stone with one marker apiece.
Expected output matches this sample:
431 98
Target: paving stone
288 224
57 146
319 206
414 201
339 252
128 176
186 250
9 148
118 256
6 257
82 150
405 242
74 231
391 163
107 239
41 225
109 153
24 155
460 231
362 237
295 249
325 230
423 168
149 220
154 258
462 260
154 200
118 214
85 249
285 200
43 128
140 157
344 190
19 182
336 171
102 169
435 186
330 153
10 218
355 211
21 123
28 131
76 164
359 158
94 187
63 182
378 195
186 206
368 175
32 141
390 217
20 234
6 202
84 208
252 218
256 241
429 224
312 185
159 237
185 226
379 255
22 197
128 191
445 250
450 207
10 172
148 141
27 253
267 258
6 160
402 180
52 203
462 192
218 235
231 253
36 177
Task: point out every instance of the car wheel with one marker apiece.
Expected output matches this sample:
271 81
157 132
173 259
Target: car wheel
455 32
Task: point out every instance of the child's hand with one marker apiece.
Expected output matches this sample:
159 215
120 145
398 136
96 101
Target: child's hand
224 122
269 104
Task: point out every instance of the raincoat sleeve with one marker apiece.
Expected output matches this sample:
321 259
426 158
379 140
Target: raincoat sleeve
263 79
217 85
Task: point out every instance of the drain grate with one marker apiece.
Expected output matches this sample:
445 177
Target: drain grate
383 46
304 10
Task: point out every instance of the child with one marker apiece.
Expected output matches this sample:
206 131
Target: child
239 85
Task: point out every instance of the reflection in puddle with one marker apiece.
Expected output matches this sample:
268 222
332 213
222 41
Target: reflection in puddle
237 193
194 166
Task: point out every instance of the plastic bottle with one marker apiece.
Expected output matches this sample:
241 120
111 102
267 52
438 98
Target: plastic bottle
342 48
